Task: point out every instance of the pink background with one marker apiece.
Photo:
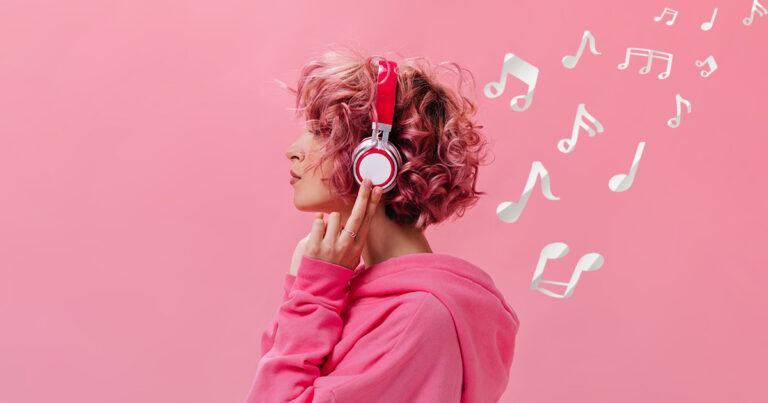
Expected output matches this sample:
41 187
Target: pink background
147 220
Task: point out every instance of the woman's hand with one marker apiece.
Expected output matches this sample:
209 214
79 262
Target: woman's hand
331 244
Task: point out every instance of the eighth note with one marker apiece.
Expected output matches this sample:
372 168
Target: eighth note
669 11
674 122
509 211
710 61
519 68
756 8
570 61
622 182
556 250
708 25
566 145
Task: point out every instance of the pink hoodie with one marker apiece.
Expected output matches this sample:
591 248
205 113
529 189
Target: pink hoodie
417 328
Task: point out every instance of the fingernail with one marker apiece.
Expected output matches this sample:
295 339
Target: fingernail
377 191
368 183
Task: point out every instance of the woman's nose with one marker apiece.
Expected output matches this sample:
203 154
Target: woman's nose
293 152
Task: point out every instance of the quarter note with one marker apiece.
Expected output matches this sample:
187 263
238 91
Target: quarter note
566 145
674 122
651 54
556 250
710 61
669 11
520 69
508 211
756 8
708 25
570 61
622 182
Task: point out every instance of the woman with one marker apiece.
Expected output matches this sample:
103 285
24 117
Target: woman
408 324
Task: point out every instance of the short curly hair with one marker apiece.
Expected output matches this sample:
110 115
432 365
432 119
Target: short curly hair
433 128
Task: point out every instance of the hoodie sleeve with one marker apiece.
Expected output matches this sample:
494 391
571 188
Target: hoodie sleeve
307 326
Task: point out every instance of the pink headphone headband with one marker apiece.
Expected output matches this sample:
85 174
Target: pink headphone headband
385 91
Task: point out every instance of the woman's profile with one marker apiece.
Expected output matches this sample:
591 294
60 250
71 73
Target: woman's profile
407 324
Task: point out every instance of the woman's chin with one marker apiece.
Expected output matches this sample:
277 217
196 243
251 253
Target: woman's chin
302 205
313 207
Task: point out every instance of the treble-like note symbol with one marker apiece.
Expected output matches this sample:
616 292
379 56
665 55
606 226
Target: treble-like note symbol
566 145
708 25
652 54
622 182
570 61
756 8
508 211
520 69
556 250
670 11
674 122
710 61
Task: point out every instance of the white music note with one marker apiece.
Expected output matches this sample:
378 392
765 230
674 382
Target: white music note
509 211
756 8
669 11
521 70
710 61
708 25
674 122
622 182
570 61
566 145
556 250
652 54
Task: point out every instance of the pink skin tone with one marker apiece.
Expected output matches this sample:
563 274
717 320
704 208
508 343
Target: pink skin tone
312 192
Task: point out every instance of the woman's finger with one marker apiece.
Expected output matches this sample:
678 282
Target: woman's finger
358 210
332 231
369 213
317 233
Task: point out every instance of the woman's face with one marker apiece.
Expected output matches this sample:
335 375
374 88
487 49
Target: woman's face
312 192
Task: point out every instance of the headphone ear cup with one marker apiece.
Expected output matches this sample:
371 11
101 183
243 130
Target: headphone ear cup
390 153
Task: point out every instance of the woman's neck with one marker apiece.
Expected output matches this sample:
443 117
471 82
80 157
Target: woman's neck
387 239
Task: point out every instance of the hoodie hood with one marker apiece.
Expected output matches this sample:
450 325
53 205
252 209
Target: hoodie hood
485 324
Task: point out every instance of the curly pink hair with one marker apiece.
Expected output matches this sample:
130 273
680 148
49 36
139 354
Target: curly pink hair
433 128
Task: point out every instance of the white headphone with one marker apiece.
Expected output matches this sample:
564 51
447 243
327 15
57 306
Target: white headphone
376 158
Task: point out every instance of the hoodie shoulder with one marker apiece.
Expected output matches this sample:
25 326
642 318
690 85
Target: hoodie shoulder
432 317
412 355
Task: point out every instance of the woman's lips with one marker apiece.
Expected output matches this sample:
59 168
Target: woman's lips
294 177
